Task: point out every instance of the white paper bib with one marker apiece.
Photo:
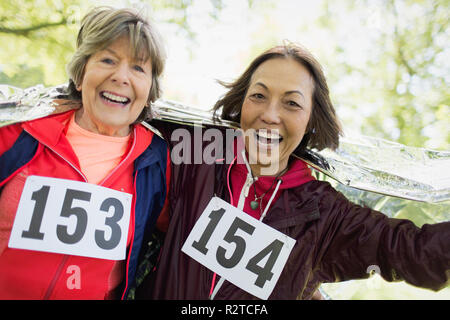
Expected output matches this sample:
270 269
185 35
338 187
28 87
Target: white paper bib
239 248
72 217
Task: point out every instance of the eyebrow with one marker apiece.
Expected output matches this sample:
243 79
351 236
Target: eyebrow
112 51
287 92
137 59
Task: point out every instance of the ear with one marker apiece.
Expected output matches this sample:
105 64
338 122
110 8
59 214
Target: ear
80 84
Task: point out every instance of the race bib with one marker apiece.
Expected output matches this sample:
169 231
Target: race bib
71 217
239 248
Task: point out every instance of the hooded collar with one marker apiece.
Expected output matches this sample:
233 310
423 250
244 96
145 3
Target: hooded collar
298 173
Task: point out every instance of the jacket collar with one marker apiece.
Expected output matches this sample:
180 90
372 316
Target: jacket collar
51 131
297 175
295 206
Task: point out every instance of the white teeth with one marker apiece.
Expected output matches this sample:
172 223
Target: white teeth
113 97
268 139
268 135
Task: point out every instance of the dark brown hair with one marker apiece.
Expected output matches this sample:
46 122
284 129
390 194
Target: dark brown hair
323 128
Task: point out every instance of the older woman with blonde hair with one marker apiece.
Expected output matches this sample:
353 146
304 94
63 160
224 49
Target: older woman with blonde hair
79 190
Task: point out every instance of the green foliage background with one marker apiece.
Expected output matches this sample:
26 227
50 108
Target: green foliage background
396 89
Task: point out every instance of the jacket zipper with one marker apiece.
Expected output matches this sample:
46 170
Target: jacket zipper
70 163
123 161
245 190
122 297
134 190
243 195
52 285
66 257
55 278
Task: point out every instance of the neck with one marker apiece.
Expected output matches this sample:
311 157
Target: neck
84 121
274 169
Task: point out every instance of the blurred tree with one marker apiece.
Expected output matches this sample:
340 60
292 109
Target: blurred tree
40 34
403 83
416 90
399 88
39 37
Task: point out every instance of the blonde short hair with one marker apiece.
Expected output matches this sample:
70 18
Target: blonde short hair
101 27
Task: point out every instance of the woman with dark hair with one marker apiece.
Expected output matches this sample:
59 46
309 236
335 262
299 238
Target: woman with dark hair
78 190
290 232
323 121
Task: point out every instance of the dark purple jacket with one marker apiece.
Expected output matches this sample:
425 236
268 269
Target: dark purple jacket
336 240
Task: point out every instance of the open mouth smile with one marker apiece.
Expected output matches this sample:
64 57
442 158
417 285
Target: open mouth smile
113 98
268 138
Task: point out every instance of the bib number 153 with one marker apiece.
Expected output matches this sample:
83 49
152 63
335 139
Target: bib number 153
239 248
71 217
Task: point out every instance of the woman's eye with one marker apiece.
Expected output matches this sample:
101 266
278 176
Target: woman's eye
258 96
293 104
138 68
107 61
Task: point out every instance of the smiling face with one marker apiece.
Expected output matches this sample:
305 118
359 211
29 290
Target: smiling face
275 113
114 89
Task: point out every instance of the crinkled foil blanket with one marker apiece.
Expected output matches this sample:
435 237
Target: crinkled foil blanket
395 179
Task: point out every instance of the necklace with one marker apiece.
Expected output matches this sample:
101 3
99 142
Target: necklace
257 202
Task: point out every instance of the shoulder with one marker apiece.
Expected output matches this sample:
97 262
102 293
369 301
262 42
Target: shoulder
335 208
325 196
149 143
172 131
50 123
316 189
8 135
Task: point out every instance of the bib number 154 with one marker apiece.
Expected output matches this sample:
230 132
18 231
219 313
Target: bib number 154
239 248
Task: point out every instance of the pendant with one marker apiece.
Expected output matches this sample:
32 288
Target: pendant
254 205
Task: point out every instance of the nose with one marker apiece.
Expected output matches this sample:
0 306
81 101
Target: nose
271 114
121 74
